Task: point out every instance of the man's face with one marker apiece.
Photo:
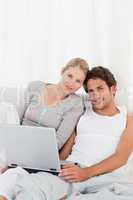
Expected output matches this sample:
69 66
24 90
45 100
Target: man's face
101 96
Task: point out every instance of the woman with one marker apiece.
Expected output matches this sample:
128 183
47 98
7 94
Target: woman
52 105
56 105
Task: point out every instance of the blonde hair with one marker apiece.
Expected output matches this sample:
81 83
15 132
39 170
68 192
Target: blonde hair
77 62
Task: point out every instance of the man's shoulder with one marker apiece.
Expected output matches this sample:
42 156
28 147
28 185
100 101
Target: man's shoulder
130 120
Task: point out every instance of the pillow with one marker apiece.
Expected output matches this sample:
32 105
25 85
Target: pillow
14 95
8 114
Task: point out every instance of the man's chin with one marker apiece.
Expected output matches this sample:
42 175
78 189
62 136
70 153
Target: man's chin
97 107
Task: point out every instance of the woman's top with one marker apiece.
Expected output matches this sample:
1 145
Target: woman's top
63 116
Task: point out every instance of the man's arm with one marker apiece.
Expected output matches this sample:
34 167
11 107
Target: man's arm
67 148
125 147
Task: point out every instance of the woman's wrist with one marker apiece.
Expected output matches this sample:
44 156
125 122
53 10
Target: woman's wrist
3 169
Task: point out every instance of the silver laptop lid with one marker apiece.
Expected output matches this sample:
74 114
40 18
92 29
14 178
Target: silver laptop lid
30 147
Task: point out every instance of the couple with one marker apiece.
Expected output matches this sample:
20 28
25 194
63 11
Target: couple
103 144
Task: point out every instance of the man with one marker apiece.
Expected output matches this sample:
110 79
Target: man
103 143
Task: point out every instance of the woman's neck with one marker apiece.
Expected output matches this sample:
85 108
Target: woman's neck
57 91
60 92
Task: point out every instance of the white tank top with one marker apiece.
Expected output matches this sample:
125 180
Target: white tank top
97 136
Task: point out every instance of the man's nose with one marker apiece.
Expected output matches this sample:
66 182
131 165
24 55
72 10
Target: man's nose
96 95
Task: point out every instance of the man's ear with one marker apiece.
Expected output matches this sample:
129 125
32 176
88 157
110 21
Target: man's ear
113 89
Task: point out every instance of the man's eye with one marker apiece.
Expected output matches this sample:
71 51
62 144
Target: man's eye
100 88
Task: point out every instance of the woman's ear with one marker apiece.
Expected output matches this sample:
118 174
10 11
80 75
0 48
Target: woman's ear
62 70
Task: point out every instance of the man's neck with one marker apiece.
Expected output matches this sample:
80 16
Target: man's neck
110 110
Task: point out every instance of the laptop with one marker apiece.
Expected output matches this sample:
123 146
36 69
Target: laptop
30 147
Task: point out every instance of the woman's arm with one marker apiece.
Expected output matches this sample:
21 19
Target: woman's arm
3 168
32 90
69 121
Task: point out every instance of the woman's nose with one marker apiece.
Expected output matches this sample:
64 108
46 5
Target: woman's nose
72 83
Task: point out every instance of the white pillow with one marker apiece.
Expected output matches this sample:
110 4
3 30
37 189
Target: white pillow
8 114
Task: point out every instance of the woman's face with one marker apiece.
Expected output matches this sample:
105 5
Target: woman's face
72 80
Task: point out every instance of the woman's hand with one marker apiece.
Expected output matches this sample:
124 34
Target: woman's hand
3 168
73 173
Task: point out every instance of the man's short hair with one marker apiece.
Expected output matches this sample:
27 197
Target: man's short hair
102 73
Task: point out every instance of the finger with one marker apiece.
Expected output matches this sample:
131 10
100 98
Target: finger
65 173
67 166
69 178
67 170
73 181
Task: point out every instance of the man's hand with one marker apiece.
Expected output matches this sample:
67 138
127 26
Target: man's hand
73 173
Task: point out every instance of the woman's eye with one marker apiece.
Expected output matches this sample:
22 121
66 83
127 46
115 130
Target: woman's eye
78 81
69 75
